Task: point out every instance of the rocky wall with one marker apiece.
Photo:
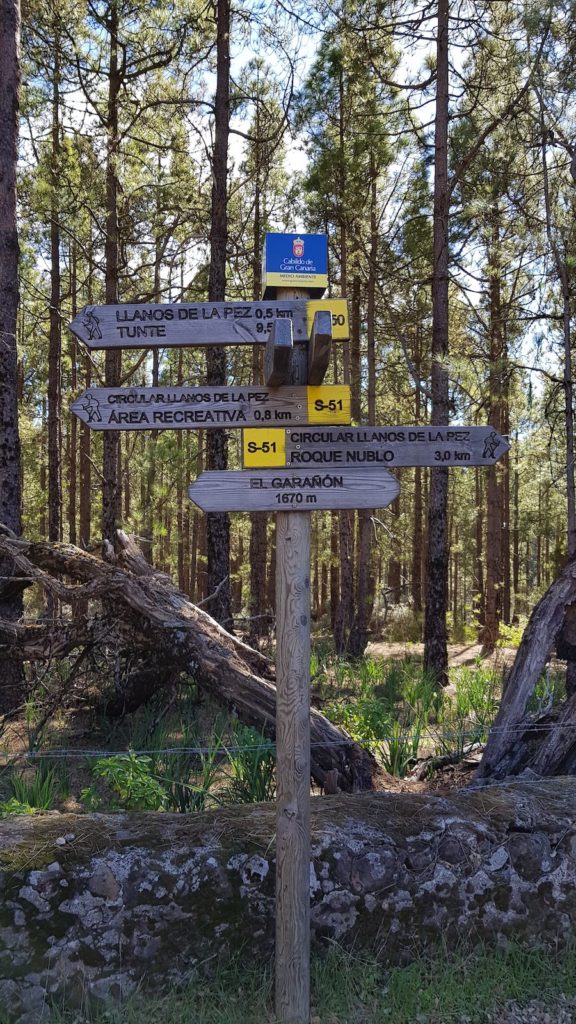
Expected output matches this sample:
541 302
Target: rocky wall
100 903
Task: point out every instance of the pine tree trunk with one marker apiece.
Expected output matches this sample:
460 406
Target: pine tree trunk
10 495
72 420
516 533
365 581
258 625
85 511
435 631
344 611
181 497
111 489
271 575
479 548
334 573
55 335
218 523
85 516
394 565
417 527
564 279
505 483
494 488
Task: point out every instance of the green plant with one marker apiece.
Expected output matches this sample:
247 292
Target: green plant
252 769
549 690
510 636
467 717
130 777
91 798
39 787
13 806
183 764
421 691
180 768
399 750
477 696
366 719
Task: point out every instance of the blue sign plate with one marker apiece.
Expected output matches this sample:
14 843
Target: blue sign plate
295 261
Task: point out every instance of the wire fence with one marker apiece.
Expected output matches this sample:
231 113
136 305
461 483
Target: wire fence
421 737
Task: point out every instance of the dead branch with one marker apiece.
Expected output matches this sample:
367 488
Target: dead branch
150 612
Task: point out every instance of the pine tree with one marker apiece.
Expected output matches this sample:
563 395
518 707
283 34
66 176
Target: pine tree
10 469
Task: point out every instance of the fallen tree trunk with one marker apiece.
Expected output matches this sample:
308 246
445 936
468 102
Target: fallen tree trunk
543 743
99 904
146 609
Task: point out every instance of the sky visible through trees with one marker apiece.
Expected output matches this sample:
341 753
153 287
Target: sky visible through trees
333 122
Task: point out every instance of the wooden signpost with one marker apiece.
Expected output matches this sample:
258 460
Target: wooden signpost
169 325
274 490
336 447
201 408
301 456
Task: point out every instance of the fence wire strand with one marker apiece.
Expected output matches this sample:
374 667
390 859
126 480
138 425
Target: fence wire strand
475 735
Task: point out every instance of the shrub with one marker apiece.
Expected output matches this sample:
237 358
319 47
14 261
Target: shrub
130 777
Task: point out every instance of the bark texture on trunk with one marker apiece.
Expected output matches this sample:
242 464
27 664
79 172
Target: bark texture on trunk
563 274
111 490
218 523
497 535
10 494
542 741
55 336
435 630
154 616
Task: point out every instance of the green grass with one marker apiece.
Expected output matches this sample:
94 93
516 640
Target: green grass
39 785
349 989
395 709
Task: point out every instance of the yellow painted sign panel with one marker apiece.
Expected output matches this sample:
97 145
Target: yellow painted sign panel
339 310
263 447
293 280
329 404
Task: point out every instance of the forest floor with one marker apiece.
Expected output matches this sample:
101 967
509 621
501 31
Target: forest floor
383 701
458 654
370 698
464 655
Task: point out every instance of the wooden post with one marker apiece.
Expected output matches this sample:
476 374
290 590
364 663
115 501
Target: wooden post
278 354
320 347
293 746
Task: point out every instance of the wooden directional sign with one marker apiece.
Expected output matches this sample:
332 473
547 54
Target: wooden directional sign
384 446
277 490
145 325
205 407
